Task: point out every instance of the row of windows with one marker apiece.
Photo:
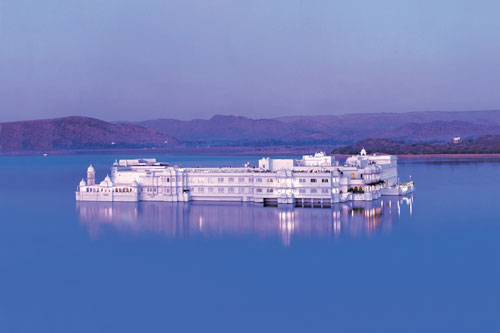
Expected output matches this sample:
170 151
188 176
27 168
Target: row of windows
368 177
250 190
156 189
222 190
240 180
169 179
313 180
313 190
219 180
202 190
120 190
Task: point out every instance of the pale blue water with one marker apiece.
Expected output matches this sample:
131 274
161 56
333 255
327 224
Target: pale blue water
427 263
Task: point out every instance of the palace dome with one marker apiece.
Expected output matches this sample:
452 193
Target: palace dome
106 182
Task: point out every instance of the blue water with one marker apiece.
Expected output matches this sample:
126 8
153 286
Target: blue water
426 263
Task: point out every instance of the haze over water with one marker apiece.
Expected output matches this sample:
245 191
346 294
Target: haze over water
426 263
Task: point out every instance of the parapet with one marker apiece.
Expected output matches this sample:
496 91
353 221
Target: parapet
137 162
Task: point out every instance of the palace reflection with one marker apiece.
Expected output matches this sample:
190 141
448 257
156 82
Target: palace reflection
217 220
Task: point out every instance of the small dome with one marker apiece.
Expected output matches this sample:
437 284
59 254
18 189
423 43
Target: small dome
363 152
106 182
90 168
82 183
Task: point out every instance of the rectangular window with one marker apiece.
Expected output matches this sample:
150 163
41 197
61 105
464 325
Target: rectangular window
313 190
220 180
302 190
259 180
324 180
325 190
201 189
241 190
231 180
221 190
259 190
241 180
250 180
231 190
302 180
269 180
269 190
211 190
313 180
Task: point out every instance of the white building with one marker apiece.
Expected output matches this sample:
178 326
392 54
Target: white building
315 181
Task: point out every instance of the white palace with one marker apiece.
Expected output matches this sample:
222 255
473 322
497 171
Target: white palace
313 181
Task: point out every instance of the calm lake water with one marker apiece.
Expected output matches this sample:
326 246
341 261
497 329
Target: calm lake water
424 263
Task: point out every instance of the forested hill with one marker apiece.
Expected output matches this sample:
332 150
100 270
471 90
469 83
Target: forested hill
489 144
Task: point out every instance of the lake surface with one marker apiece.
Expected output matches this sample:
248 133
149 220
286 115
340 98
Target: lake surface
424 263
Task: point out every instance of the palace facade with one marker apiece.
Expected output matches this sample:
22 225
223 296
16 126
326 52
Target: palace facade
315 180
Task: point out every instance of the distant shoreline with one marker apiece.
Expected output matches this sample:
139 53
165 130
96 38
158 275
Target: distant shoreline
241 151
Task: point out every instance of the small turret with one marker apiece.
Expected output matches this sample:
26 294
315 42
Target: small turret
91 175
363 152
82 183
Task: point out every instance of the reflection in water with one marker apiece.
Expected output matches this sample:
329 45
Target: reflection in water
179 220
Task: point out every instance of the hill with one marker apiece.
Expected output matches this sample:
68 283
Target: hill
333 129
76 133
489 144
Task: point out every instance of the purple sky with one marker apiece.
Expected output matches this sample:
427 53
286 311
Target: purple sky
143 59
